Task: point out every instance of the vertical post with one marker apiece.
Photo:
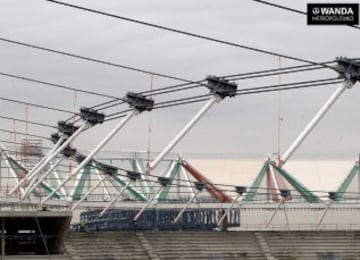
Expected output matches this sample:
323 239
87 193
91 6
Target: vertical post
1 172
214 99
358 174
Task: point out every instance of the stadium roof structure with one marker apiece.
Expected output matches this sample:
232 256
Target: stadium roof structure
272 180
350 187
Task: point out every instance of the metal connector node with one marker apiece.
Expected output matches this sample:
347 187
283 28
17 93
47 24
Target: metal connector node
240 189
79 158
91 116
106 168
67 128
68 152
163 181
349 68
199 186
54 137
139 102
332 195
285 193
133 175
221 87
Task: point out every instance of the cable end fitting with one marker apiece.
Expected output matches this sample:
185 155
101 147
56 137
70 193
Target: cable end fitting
221 87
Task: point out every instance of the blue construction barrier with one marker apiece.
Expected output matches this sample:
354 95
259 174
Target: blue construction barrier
156 219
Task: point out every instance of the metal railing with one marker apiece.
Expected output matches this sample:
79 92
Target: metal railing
299 227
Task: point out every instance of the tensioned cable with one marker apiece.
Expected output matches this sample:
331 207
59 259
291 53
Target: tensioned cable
117 113
196 99
262 73
17 143
27 121
259 189
192 182
186 86
21 133
59 86
183 32
281 7
37 105
236 79
116 99
183 103
28 159
241 76
103 106
291 9
279 86
94 60
245 91
252 92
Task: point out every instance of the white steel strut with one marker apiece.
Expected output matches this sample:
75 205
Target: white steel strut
117 196
284 194
163 183
36 182
33 173
220 89
139 104
133 176
90 156
89 192
199 187
214 99
350 70
240 190
90 116
332 197
316 119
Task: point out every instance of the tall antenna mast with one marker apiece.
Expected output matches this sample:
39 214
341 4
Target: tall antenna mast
279 118
149 129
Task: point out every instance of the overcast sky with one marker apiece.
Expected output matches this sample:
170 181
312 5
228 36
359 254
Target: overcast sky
245 125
